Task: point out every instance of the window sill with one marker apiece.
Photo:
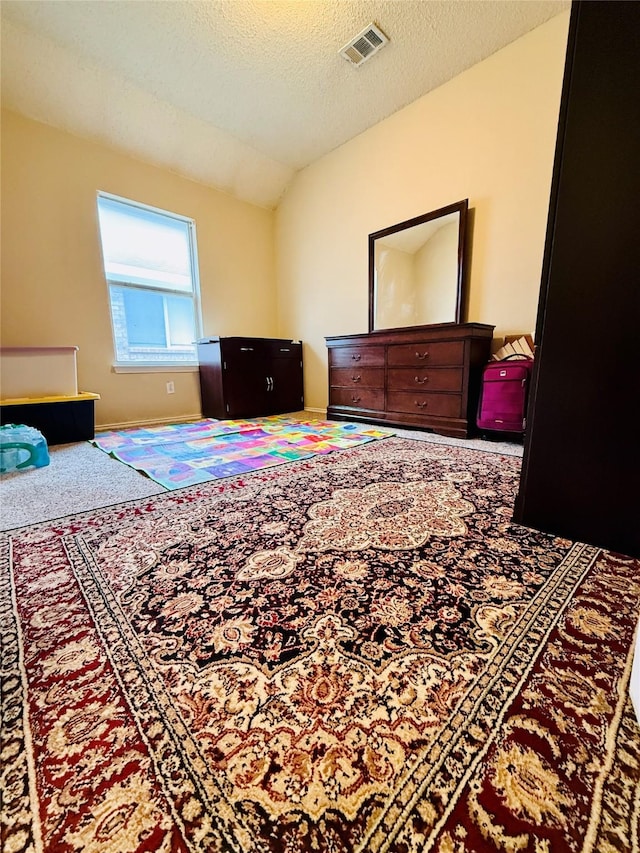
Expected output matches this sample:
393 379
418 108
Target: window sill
155 368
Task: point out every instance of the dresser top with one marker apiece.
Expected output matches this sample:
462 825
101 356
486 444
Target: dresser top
236 338
436 331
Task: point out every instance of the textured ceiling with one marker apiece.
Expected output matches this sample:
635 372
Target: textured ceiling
239 94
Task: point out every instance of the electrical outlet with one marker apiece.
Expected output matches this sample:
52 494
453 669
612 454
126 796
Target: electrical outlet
170 388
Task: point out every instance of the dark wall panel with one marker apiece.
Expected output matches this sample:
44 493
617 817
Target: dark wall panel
581 466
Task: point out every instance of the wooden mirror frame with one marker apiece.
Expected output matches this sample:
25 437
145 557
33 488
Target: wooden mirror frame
460 207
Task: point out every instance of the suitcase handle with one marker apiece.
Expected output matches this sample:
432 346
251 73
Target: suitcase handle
518 356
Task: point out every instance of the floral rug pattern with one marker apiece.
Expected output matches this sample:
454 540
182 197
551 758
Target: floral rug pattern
359 652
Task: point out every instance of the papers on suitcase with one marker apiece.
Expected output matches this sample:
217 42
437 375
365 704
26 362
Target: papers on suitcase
517 346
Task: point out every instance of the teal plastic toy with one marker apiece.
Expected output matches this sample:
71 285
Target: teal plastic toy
22 447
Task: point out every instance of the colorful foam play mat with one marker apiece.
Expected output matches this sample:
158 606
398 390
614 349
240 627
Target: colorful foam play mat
178 455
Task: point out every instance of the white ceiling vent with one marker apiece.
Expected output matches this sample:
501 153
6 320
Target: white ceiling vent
364 45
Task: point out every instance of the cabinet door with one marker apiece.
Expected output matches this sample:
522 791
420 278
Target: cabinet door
246 393
244 379
285 393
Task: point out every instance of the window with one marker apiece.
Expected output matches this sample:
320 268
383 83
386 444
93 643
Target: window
150 264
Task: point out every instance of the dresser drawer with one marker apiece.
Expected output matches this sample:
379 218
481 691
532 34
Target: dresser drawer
445 405
360 398
357 377
422 379
362 356
424 354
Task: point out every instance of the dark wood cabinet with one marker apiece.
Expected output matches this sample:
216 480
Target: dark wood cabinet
581 464
427 376
250 377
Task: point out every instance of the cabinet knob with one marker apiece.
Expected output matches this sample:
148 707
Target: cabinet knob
356 378
422 355
355 399
421 404
356 357
421 380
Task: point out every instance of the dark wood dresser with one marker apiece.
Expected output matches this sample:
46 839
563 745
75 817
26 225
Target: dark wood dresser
426 376
250 377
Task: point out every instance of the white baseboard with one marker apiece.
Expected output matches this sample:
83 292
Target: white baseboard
176 419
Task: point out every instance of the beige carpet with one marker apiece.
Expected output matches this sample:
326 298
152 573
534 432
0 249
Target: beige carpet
79 477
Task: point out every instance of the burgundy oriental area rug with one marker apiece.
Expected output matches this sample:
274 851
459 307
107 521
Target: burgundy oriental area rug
357 652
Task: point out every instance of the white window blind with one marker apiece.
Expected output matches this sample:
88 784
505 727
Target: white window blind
150 265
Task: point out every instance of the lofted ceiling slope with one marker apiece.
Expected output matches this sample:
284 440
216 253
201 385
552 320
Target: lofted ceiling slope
239 94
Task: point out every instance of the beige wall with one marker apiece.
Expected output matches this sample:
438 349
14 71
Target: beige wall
489 136
53 288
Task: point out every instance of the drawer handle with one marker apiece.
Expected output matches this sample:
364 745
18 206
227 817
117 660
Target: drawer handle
246 349
356 357
422 380
420 404
422 355
355 399
356 378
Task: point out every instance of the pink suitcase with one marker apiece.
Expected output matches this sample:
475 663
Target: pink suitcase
503 395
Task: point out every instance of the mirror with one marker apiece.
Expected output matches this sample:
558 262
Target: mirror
416 270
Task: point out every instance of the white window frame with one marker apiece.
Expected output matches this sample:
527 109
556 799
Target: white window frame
141 366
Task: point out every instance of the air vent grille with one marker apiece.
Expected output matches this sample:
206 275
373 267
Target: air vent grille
364 45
